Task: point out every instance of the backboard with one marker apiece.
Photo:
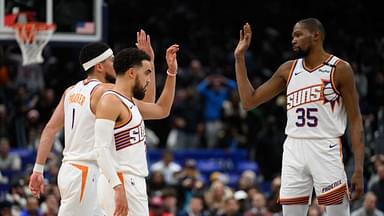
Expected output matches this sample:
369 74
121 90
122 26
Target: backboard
76 20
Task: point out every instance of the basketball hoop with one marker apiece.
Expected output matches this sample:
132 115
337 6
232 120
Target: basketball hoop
32 38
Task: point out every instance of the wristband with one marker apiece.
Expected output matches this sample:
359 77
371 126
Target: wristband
171 74
38 168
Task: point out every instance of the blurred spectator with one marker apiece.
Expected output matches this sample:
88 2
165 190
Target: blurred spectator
156 207
168 167
369 207
243 201
376 161
258 206
17 197
214 90
32 77
32 207
216 196
169 197
378 187
6 208
233 123
186 126
247 180
155 183
272 201
189 182
8 161
195 207
191 75
51 206
4 121
231 207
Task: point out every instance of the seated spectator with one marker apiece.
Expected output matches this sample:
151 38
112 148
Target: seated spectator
156 207
51 206
167 167
247 180
155 183
369 207
189 181
169 197
8 161
378 187
258 206
216 196
32 208
272 201
6 208
195 207
231 207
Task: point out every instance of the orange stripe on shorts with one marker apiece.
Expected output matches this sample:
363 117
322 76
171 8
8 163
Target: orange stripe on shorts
84 173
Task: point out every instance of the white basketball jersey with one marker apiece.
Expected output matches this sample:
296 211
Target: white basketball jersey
129 151
79 122
314 107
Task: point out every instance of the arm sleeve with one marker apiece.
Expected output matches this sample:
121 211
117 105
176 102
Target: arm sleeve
103 142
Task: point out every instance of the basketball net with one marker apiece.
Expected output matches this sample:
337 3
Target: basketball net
32 38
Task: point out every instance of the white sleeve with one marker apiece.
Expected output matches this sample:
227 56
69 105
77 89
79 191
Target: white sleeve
103 142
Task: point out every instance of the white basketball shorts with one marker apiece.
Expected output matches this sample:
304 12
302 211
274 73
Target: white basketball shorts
135 190
77 182
309 163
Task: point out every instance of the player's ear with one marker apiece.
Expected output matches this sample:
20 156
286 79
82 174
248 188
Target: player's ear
317 36
131 72
98 67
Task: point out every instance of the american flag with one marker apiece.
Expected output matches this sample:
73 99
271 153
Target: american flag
85 27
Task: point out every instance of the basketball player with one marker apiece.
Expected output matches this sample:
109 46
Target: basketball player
320 95
79 172
120 131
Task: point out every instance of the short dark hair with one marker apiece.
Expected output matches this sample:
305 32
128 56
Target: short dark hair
313 25
91 51
128 58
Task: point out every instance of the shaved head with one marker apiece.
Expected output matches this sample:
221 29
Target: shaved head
313 25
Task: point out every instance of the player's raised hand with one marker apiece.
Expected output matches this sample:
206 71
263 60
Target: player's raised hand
171 58
357 182
144 43
245 40
121 203
36 184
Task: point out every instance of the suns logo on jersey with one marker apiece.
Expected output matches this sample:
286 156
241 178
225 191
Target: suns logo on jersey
130 136
330 95
77 98
303 96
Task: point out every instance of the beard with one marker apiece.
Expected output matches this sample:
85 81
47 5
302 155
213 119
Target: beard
138 90
109 78
300 53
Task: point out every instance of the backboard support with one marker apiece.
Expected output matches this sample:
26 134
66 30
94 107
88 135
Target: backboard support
76 21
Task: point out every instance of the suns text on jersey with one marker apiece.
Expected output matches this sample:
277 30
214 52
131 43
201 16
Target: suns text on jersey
305 95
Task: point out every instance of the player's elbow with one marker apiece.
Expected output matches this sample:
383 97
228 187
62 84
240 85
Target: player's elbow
165 113
247 106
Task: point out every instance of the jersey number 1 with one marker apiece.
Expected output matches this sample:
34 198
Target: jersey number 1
73 118
306 117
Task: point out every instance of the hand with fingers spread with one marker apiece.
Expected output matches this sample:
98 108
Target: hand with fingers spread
245 40
171 58
121 203
144 43
36 184
357 187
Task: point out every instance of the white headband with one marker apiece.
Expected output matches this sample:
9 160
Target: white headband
97 59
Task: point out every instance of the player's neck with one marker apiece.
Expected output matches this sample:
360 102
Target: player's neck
315 58
93 76
123 88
